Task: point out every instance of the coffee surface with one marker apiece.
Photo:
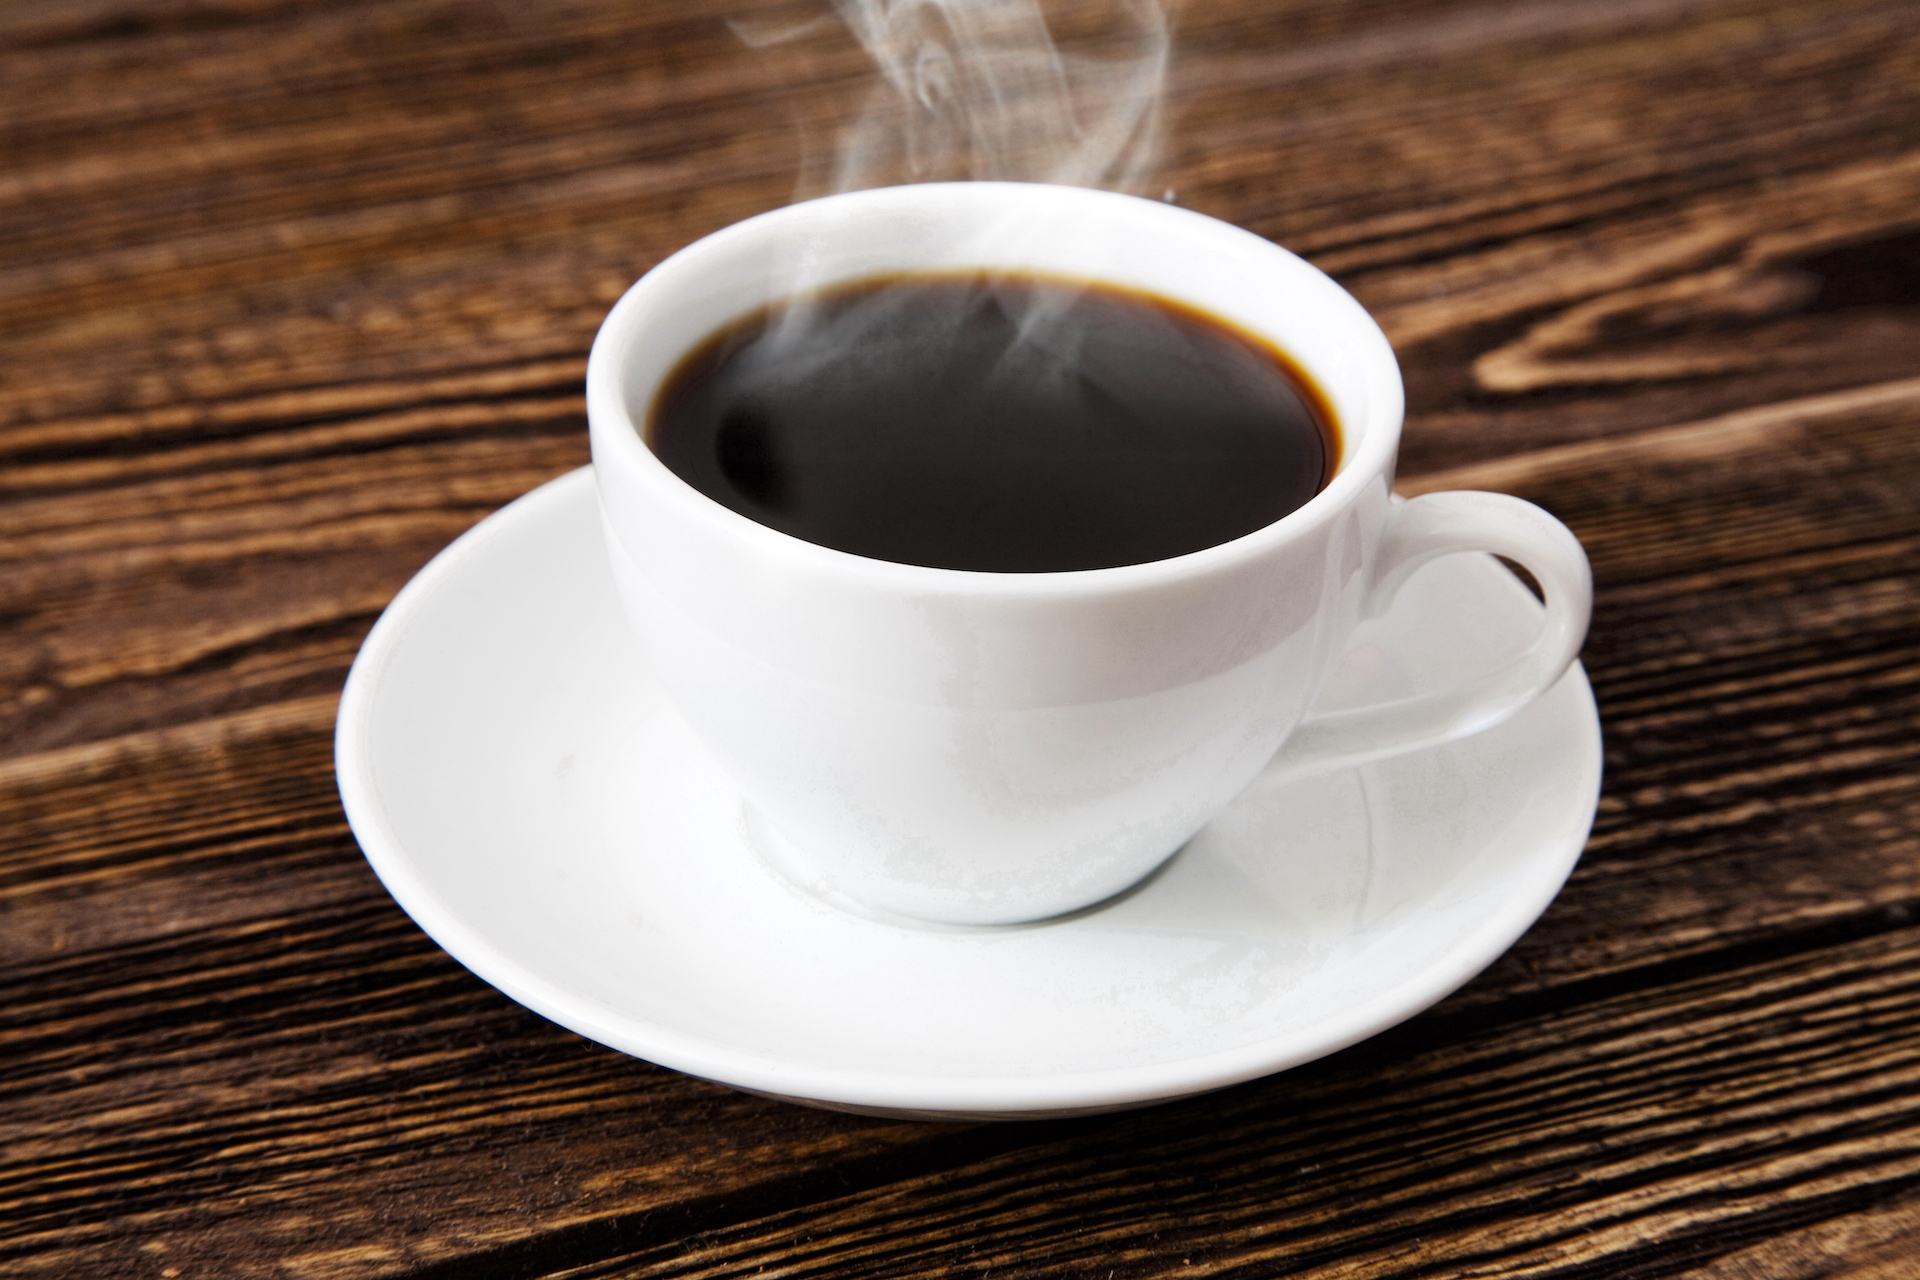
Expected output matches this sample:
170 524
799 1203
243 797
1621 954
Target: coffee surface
1009 424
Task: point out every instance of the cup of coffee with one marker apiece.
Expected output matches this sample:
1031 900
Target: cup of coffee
995 536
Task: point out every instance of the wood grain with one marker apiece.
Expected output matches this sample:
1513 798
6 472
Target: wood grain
292 292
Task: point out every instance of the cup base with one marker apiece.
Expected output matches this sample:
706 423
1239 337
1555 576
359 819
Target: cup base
792 866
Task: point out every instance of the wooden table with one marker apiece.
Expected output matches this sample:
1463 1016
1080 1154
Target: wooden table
294 291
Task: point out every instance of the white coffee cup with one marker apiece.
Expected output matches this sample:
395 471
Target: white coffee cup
983 748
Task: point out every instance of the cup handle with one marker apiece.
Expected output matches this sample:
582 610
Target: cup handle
1424 529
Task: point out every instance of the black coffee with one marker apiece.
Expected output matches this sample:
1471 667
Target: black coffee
1015 424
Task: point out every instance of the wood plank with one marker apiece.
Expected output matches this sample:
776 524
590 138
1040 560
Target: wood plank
384 1090
1734 158
249 576
1878 1243
1570 1143
1597 1158
314 1032
180 830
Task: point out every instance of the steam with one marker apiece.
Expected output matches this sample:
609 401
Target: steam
980 89
965 90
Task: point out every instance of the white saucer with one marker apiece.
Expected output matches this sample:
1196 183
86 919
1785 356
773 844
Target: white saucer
521 787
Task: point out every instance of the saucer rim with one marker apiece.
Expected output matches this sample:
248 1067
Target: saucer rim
954 1095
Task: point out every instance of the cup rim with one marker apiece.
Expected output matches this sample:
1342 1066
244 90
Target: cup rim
618 441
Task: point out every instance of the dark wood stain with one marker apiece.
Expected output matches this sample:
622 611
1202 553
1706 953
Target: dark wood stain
292 292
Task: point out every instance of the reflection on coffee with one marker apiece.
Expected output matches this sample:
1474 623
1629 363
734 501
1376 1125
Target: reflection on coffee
1011 424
